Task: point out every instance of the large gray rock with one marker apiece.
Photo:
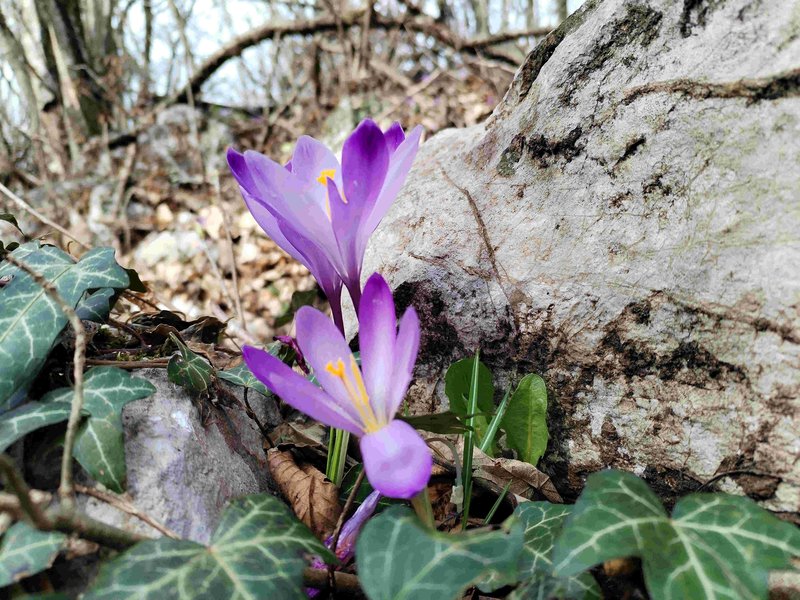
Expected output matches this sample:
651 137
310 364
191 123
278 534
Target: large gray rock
182 471
627 224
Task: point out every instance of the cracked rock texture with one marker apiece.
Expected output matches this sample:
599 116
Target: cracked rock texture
182 471
627 224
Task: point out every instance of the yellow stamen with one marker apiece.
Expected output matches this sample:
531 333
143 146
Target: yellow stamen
358 392
324 175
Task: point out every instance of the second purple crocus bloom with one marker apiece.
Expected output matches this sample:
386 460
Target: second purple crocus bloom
362 400
323 213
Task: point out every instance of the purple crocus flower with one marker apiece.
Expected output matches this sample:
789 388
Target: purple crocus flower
362 401
323 213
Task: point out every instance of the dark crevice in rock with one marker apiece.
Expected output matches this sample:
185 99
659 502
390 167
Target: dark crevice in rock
695 14
630 149
670 484
640 26
782 85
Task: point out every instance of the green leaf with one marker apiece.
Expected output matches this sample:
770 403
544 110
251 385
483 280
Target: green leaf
241 375
189 370
299 299
543 522
444 423
699 553
135 284
525 421
399 559
96 306
25 551
19 422
254 553
456 387
9 218
99 445
30 322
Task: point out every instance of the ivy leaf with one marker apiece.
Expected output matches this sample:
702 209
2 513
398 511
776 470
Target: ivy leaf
19 422
399 559
25 551
254 553
456 387
543 522
525 421
96 306
187 369
30 321
714 546
241 375
99 445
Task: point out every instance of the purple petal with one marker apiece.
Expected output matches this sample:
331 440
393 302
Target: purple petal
365 160
267 221
297 391
399 167
397 460
323 344
394 136
405 356
377 330
346 231
345 548
311 161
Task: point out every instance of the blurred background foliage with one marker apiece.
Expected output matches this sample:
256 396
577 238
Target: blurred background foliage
115 115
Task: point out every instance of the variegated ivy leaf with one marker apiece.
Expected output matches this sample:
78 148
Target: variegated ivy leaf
96 306
256 552
25 551
543 522
30 321
241 375
399 559
715 545
99 446
17 423
189 370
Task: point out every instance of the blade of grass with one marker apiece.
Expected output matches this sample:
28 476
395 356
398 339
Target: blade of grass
469 438
337 455
494 425
496 504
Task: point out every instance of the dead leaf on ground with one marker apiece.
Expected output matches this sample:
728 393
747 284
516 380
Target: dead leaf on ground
524 477
313 497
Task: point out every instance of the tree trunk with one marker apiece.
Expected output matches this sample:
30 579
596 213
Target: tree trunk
626 225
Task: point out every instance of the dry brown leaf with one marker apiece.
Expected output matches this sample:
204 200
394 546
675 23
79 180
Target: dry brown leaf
524 477
313 497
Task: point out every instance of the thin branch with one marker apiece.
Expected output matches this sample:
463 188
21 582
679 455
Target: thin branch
122 504
68 520
318 578
29 209
65 489
14 481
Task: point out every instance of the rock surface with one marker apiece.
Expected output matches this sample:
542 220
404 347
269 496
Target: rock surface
182 472
627 225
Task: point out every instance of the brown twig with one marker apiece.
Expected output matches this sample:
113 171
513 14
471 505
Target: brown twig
318 578
351 498
724 474
14 481
156 363
65 488
29 209
126 506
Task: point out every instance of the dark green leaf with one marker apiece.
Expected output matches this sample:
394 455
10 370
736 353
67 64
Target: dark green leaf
399 559
189 370
30 322
443 423
525 421
256 552
714 546
96 306
99 446
25 551
456 387
9 218
136 284
17 423
299 299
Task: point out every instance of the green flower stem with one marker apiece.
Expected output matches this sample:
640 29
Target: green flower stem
422 506
337 455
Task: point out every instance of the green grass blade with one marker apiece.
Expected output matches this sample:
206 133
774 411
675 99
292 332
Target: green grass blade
469 438
494 425
496 504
